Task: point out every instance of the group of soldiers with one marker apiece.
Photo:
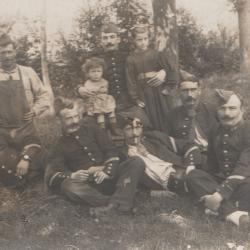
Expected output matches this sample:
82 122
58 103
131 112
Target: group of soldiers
205 150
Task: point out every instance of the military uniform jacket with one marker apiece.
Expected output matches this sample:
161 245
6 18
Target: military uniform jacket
229 156
181 123
90 146
115 75
168 149
13 148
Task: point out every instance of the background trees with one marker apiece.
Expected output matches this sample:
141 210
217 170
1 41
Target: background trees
243 9
198 52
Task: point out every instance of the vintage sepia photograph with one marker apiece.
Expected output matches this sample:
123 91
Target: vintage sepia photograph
124 125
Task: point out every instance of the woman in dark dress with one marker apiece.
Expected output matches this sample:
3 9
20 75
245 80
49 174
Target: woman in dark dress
148 74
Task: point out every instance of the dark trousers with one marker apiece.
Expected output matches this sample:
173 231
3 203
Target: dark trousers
121 191
201 183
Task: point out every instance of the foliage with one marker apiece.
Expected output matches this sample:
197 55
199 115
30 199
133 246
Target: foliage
238 4
66 72
200 53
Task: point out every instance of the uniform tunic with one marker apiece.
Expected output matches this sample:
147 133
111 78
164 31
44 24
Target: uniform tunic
115 75
228 168
181 123
90 146
229 156
12 149
139 69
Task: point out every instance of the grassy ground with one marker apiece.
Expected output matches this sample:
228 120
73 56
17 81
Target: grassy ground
36 219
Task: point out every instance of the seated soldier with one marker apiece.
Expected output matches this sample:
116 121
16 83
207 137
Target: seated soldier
225 187
193 119
159 167
84 164
20 157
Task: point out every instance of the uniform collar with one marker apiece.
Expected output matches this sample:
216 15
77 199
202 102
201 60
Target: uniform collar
232 129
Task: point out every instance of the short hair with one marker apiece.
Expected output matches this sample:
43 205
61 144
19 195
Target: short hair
93 62
61 103
110 28
187 77
6 40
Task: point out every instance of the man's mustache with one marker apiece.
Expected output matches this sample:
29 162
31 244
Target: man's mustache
74 125
110 44
226 118
190 99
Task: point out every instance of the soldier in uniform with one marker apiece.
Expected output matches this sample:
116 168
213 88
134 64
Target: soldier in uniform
157 164
193 119
115 60
115 65
22 97
84 164
20 158
225 187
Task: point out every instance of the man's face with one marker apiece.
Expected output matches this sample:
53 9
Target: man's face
95 74
110 41
133 132
70 120
141 41
8 56
231 113
190 94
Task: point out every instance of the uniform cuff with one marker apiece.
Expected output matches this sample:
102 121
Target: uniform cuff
57 179
110 166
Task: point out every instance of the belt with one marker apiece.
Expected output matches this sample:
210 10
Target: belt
143 76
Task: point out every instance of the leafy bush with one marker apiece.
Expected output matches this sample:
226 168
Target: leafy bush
202 54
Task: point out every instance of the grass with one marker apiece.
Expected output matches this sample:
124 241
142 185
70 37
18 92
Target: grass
37 220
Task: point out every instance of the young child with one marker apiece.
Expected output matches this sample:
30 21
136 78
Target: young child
146 70
94 93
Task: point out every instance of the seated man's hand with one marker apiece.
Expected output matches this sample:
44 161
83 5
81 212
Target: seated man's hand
28 116
100 176
22 167
158 79
81 175
212 201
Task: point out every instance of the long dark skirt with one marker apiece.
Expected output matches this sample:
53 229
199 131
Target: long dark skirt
157 108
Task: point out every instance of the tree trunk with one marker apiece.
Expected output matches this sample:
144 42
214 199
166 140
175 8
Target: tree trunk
166 35
243 9
44 62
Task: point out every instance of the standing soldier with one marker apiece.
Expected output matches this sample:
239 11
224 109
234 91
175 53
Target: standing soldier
115 60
